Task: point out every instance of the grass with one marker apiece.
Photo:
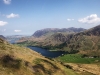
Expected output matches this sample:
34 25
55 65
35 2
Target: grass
16 60
9 61
37 61
86 73
76 58
70 72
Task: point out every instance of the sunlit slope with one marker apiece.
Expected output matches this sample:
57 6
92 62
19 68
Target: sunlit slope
15 60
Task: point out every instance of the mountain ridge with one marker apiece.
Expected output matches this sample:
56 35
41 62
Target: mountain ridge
42 32
88 40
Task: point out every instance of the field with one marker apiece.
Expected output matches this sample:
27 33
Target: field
83 66
77 58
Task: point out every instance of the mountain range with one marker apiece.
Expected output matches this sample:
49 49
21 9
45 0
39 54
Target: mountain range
49 31
51 34
85 41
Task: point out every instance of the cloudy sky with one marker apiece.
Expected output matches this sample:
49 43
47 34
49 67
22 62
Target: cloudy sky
24 17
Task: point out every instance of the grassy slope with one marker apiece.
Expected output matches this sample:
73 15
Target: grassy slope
84 66
77 58
15 60
85 69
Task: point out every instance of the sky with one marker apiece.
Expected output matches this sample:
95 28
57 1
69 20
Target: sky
24 17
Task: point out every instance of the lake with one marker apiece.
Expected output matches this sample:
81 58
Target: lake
46 53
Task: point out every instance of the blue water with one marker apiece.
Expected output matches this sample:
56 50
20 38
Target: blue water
44 52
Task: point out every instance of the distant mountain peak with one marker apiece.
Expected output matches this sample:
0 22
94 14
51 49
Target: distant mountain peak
42 32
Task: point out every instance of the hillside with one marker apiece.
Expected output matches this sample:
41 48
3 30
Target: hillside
52 36
15 60
48 41
49 31
86 42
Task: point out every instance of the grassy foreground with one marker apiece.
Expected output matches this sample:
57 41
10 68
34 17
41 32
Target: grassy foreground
15 60
83 66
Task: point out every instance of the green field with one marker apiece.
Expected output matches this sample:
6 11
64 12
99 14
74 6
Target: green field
77 58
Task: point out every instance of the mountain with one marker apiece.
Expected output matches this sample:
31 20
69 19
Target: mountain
46 31
15 60
2 37
85 42
52 36
93 31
